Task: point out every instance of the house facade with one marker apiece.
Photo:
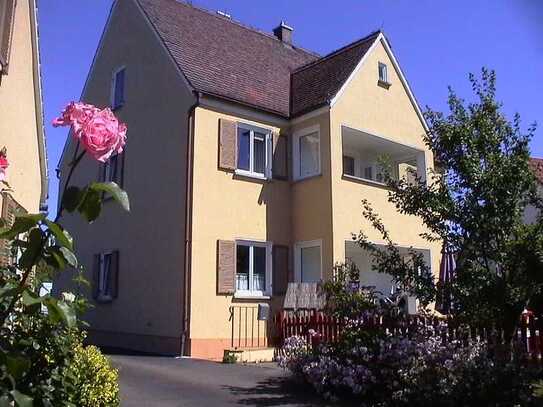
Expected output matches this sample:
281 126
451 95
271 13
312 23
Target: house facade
21 116
246 163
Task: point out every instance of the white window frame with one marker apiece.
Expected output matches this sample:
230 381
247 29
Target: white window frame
101 274
296 150
268 140
298 257
113 87
256 293
385 70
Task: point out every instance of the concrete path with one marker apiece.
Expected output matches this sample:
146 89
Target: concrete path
169 382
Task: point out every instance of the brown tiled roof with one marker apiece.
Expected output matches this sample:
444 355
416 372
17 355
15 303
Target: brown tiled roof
224 58
314 84
537 166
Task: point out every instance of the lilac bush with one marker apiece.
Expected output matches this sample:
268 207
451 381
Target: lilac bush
421 370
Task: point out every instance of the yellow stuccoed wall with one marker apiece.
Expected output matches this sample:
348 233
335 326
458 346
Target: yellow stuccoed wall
225 207
311 197
387 113
18 128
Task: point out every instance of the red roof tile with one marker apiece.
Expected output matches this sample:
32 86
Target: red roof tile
537 166
318 82
224 58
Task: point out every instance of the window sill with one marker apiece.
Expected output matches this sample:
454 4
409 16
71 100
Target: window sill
252 175
365 181
384 84
307 177
240 296
104 299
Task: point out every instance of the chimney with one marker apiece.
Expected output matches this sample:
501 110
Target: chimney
284 33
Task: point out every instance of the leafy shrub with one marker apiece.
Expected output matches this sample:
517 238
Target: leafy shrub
397 371
94 379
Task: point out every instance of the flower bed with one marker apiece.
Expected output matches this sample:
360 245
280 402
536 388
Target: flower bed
422 370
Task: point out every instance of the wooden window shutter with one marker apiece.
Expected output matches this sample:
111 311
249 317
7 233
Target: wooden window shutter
10 209
228 134
114 274
226 267
280 157
7 20
96 276
280 271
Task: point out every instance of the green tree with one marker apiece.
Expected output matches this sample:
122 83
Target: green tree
474 201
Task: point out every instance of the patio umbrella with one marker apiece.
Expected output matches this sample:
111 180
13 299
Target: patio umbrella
446 274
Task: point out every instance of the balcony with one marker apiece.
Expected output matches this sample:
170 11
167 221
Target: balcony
364 156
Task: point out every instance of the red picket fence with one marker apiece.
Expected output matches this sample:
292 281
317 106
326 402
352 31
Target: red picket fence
328 329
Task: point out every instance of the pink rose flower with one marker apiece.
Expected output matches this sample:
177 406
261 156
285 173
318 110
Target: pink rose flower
99 131
103 135
4 164
76 114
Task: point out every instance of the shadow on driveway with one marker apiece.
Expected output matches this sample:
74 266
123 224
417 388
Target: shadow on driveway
157 381
276 391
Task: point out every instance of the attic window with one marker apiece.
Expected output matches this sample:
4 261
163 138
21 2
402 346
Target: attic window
383 75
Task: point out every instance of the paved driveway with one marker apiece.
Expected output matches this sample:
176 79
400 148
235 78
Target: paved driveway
170 382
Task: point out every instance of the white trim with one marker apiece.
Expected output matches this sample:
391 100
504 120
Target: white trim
114 85
382 39
298 246
38 102
268 153
355 71
268 289
239 110
380 136
296 152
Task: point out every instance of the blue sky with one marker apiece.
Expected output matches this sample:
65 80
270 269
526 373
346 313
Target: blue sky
436 43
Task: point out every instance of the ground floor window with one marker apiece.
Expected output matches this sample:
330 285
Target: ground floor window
253 268
308 261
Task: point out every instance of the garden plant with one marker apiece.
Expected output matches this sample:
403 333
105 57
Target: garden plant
474 202
42 358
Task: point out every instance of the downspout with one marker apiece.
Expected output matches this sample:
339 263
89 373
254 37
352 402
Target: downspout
185 337
40 133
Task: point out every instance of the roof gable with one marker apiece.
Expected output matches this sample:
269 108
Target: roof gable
318 82
223 58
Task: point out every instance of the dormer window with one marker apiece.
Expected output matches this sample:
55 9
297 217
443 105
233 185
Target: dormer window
383 76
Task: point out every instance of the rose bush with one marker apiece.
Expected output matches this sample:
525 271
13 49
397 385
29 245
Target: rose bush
4 164
40 336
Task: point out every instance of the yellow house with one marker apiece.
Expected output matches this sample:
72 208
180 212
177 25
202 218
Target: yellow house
21 116
246 163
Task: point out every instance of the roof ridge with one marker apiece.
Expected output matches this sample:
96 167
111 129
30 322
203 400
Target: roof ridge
188 3
338 51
